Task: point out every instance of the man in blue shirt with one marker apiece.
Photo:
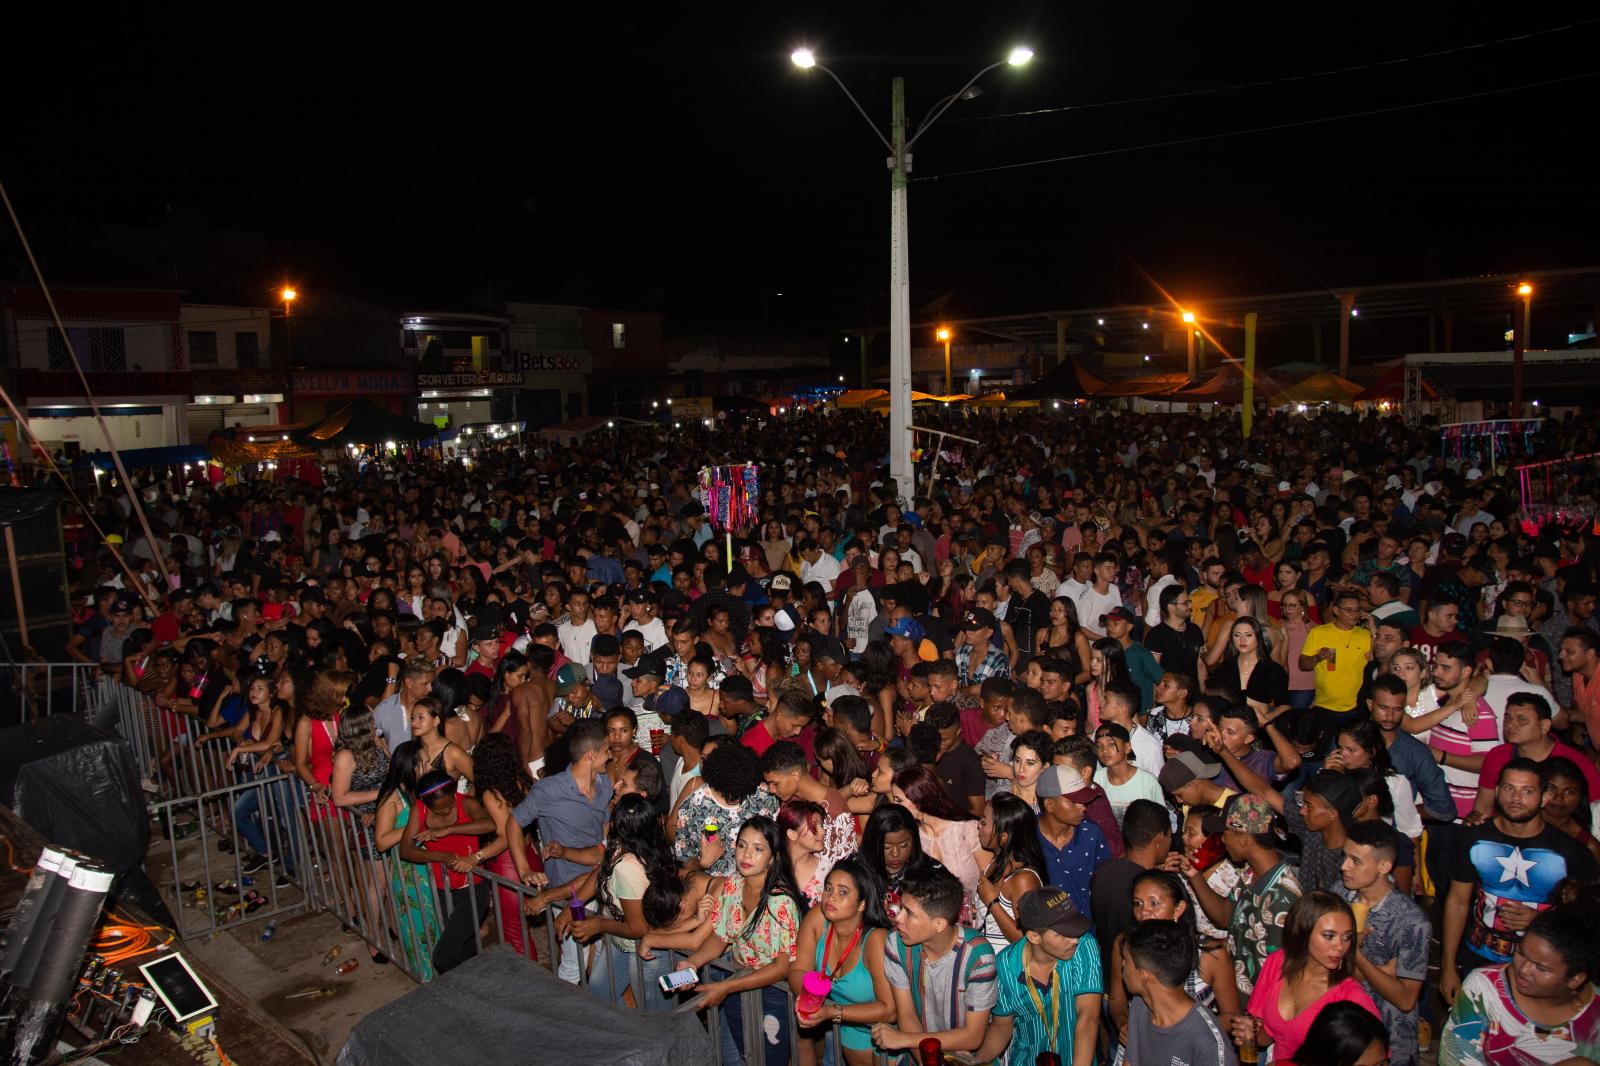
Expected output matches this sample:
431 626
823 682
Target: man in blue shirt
572 809
1073 847
1410 757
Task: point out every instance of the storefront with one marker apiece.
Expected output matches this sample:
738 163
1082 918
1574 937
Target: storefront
467 398
317 393
142 410
554 386
224 399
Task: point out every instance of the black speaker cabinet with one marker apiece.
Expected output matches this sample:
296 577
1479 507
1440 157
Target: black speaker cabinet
33 517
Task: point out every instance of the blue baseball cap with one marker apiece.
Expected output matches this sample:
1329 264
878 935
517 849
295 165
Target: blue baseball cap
668 701
909 628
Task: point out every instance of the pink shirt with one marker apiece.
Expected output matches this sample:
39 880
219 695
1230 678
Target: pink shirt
1287 1036
1497 758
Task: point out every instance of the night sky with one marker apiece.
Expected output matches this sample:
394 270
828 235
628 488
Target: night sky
674 158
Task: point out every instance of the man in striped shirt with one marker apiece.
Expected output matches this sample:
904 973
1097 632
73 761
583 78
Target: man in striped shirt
1460 741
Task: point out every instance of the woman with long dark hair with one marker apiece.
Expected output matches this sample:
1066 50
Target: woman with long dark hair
438 750
1315 968
843 938
501 781
1359 745
949 831
892 845
1107 666
360 764
409 892
1009 831
1065 639
636 888
755 919
463 726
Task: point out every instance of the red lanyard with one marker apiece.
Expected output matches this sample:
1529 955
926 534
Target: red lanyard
827 949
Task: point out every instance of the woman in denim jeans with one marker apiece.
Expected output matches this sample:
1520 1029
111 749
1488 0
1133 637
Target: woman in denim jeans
256 735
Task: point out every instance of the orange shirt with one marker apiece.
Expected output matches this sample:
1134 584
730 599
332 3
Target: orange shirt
1586 700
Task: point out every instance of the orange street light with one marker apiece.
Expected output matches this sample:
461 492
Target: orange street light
943 334
1524 289
1188 316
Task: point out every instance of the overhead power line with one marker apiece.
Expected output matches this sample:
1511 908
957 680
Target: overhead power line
1288 79
1260 129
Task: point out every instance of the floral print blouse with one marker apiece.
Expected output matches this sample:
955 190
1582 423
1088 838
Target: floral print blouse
775 934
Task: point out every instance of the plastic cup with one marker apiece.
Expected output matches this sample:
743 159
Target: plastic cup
1360 909
814 988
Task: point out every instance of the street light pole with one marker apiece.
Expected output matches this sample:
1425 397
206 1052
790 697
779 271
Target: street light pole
900 468
899 145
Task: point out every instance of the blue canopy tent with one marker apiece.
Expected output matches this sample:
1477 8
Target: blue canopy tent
172 455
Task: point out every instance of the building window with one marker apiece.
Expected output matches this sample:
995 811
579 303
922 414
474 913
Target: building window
59 359
619 335
202 347
247 350
108 349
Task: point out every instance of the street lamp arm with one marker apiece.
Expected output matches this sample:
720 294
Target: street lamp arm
845 89
944 105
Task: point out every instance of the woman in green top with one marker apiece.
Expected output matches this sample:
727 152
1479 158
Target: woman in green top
843 937
418 918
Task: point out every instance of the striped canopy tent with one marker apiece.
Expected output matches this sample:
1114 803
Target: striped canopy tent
1227 386
1324 387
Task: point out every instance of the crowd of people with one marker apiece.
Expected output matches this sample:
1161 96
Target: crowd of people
1126 739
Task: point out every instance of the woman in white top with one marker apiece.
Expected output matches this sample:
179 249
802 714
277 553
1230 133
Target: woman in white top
1014 866
1421 697
1360 746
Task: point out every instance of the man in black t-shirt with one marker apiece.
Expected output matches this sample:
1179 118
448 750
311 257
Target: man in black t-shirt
1175 643
1503 873
1030 608
957 765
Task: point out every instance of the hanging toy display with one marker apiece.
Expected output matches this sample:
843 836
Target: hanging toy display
1487 441
731 496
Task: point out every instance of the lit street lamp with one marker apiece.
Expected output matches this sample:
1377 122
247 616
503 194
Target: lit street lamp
943 333
899 146
289 296
1521 338
1188 332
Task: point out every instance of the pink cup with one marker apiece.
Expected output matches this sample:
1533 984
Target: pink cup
814 988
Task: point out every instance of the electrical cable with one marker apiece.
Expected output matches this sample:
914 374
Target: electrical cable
1286 80
1259 129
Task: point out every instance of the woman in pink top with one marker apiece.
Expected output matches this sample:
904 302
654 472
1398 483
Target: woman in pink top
1314 968
1297 623
948 831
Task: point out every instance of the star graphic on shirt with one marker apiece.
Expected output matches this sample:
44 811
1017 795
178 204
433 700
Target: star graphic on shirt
1514 867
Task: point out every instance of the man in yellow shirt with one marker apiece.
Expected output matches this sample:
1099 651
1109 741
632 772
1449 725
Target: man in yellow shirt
1336 654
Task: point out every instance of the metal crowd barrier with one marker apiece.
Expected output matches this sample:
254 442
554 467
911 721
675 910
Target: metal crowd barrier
205 813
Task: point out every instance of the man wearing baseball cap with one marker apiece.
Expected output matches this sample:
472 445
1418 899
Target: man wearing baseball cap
1255 911
1073 846
977 659
1049 983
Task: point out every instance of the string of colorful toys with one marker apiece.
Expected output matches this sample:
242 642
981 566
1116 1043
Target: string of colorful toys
731 496
1487 440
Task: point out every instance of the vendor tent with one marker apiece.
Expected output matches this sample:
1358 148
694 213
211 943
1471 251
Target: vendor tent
363 422
1391 387
1061 383
1227 386
855 399
1324 387
234 447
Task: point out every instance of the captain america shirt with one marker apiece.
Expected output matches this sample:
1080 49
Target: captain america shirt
1507 869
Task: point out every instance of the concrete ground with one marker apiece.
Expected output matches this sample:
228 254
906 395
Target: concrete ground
270 973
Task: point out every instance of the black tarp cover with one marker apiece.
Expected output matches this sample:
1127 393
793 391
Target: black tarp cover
499 1009
77 786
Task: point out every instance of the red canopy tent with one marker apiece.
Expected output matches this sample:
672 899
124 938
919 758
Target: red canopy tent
1391 386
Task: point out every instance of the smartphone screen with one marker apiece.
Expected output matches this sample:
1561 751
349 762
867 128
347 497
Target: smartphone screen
671 982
